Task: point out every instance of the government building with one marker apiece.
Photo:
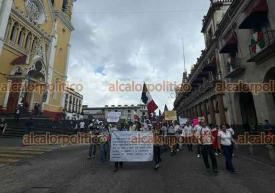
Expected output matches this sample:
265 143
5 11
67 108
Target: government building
128 112
239 56
34 50
73 105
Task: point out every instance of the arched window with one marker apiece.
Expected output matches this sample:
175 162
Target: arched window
14 32
28 41
8 30
34 44
64 6
21 37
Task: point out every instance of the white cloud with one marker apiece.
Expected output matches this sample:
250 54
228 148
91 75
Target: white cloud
135 41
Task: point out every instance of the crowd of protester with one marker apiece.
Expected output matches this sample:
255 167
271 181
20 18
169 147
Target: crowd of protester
211 140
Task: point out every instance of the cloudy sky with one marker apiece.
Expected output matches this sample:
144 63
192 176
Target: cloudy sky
133 40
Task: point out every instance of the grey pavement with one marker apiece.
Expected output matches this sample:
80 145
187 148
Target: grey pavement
11 142
68 170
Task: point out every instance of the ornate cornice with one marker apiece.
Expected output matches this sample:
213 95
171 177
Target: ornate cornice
65 19
31 25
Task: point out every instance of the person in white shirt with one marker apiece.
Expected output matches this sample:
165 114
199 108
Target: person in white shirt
82 126
197 132
207 148
171 129
230 129
178 132
225 141
164 129
188 136
171 133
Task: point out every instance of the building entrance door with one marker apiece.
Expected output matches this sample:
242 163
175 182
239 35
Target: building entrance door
14 95
248 111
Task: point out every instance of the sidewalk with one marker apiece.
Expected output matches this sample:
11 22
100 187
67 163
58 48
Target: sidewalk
259 153
11 142
12 151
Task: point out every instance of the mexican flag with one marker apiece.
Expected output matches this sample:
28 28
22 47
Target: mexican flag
147 99
257 42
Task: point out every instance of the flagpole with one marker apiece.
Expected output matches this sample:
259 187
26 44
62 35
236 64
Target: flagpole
184 59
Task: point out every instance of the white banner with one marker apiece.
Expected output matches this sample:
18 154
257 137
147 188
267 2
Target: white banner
132 146
113 117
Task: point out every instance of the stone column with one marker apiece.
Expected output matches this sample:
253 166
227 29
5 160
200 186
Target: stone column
221 108
5 10
201 108
22 90
212 111
205 112
6 99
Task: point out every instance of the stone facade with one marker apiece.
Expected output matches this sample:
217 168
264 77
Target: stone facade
128 112
34 50
239 54
73 104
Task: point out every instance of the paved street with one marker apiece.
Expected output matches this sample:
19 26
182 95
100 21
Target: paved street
12 151
68 170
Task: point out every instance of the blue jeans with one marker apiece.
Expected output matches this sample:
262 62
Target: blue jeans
227 152
103 151
208 151
92 150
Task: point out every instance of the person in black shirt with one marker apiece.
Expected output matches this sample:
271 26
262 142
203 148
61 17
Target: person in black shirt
3 126
28 126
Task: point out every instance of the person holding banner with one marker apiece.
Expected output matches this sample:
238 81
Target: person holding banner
118 164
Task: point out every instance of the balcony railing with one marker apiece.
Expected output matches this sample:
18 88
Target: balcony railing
234 68
259 48
207 85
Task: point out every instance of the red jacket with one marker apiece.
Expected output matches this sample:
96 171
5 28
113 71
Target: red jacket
214 132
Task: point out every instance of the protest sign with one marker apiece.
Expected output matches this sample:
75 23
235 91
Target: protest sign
113 117
195 121
183 121
132 146
170 115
